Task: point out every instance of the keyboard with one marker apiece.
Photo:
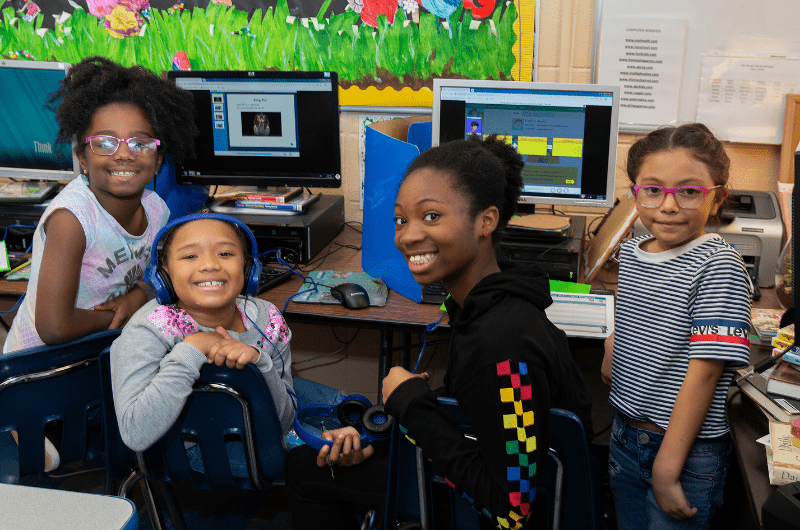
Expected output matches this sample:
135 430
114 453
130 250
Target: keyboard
271 276
434 293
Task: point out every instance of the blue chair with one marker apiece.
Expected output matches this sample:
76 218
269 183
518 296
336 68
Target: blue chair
570 484
226 406
47 384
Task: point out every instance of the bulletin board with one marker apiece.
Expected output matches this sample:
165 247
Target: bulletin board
722 26
386 53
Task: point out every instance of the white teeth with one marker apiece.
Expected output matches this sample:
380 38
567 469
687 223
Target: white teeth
420 259
123 173
210 284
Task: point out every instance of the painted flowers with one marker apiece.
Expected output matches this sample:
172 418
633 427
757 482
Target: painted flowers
122 18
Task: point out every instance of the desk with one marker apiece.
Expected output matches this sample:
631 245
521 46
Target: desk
748 423
399 315
24 508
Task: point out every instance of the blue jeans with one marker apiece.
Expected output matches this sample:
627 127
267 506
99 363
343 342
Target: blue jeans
630 468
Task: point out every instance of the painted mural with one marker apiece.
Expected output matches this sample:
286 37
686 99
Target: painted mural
386 52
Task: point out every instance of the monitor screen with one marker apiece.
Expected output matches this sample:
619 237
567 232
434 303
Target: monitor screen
263 129
565 132
28 146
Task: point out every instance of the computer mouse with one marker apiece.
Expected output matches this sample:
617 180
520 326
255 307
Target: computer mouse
351 295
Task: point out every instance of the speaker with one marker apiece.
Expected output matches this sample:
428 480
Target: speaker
159 279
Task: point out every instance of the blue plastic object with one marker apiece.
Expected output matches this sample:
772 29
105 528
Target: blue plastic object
46 384
385 160
181 199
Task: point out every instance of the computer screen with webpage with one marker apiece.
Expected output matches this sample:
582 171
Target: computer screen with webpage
263 129
566 133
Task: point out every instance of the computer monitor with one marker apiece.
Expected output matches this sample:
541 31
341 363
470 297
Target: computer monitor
263 128
565 132
28 146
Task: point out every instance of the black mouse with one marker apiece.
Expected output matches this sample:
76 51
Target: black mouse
351 295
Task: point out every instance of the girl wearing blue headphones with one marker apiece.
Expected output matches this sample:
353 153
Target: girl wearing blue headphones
205 273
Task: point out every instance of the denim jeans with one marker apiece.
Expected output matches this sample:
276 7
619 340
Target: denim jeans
630 468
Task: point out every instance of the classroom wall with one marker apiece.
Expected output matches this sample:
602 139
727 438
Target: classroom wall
565 55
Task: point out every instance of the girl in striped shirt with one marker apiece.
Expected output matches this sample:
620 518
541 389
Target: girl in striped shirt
682 322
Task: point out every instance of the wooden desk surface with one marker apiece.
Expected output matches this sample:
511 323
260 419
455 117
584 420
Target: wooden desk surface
399 313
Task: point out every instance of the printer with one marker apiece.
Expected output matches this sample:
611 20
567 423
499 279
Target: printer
751 223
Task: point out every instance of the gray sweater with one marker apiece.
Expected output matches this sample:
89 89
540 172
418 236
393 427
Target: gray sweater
152 370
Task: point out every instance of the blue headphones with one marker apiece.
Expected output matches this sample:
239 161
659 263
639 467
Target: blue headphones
159 279
353 411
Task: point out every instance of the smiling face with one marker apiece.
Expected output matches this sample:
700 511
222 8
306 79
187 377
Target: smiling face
439 237
205 262
121 175
670 225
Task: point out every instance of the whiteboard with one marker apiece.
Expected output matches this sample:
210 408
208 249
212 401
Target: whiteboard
768 27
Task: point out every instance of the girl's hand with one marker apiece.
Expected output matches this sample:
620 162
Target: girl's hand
669 493
605 368
124 306
346 449
232 353
203 340
397 376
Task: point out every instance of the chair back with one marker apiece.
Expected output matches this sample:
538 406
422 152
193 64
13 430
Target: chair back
48 384
226 405
569 482
581 497
120 460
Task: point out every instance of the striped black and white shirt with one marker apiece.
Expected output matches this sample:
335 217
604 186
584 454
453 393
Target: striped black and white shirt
690 302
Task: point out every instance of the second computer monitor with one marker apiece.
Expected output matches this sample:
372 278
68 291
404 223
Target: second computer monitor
565 132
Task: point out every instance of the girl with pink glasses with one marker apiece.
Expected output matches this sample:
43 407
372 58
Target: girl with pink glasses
682 322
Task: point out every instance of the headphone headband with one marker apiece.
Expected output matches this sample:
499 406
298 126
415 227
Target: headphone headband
159 279
373 423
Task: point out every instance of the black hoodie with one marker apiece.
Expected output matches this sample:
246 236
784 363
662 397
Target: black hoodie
508 366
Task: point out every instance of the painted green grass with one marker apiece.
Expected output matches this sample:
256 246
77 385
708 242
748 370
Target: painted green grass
223 38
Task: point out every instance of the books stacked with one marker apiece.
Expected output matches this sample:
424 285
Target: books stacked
273 199
783 340
766 322
291 199
782 455
775 407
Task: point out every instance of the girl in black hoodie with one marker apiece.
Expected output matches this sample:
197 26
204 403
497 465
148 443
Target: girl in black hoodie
507 366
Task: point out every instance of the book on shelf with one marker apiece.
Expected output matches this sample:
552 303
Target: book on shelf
298 204
766 322
783 458
246 193
754 385
27 191
784 380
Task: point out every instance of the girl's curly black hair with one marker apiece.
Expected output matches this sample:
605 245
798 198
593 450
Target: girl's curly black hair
96 81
